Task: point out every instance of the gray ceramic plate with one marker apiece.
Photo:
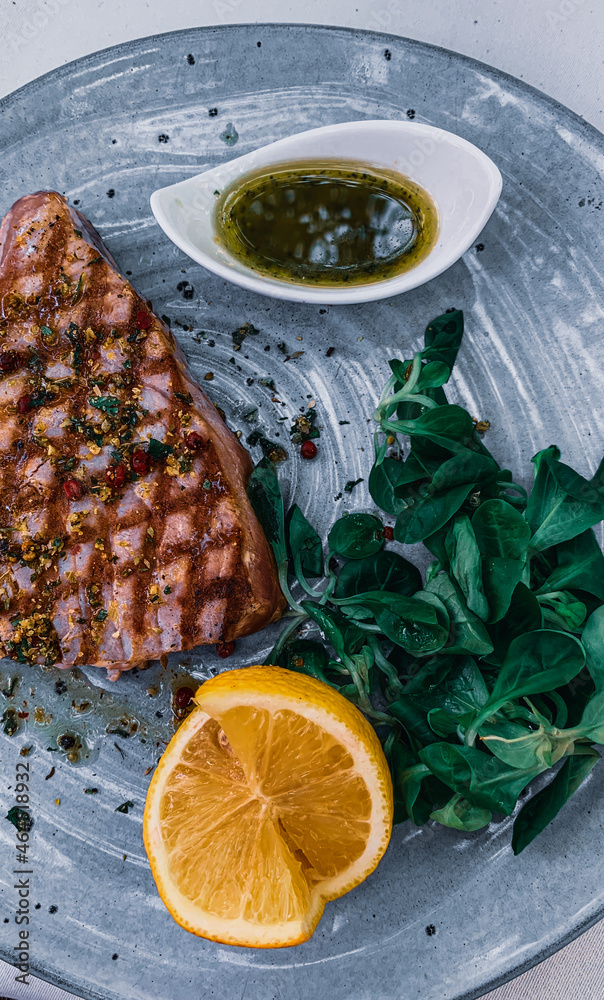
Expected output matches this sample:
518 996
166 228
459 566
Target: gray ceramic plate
106 131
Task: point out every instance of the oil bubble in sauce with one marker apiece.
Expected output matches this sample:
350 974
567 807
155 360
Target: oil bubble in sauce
324 222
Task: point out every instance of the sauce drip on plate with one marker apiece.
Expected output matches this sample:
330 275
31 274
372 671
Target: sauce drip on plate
326 222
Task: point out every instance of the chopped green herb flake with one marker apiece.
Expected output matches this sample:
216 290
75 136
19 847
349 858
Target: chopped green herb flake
350 485
247 330
270 449
108 404
78 291
9 721
20 819
159 451
125 807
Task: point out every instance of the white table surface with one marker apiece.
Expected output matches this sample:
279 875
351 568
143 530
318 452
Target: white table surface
555 45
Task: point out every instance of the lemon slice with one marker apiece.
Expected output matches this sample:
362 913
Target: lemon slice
273 797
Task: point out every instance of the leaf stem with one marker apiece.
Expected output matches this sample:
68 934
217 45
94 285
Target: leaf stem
472 731
385 666
388 402
302 579
514 487
286 591
380 449
284 638
331 578
364 702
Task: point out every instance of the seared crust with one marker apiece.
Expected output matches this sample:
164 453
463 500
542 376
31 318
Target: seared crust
142 562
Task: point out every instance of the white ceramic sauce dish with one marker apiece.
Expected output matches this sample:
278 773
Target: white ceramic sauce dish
463 182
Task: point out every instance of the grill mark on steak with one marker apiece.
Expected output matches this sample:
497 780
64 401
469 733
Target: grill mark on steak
103 375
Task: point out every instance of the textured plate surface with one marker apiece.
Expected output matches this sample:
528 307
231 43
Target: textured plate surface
106 131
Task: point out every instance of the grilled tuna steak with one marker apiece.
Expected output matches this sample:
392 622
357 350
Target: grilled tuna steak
125 529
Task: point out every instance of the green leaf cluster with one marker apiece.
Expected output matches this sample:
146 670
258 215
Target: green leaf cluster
491 671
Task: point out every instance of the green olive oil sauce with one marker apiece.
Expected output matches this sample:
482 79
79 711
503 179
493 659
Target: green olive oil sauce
326 222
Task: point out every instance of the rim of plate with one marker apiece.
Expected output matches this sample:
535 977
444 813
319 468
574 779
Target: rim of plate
589 133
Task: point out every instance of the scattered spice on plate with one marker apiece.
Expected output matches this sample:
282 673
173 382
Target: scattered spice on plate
125 807
275 452
225 649
308 449
350 485
304 426
239 335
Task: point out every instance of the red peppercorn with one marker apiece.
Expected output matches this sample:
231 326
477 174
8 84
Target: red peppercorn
194 441
9 360
140 462
24 404
388 533
73 489
115 476
224 649
143 320
183 697
308 449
